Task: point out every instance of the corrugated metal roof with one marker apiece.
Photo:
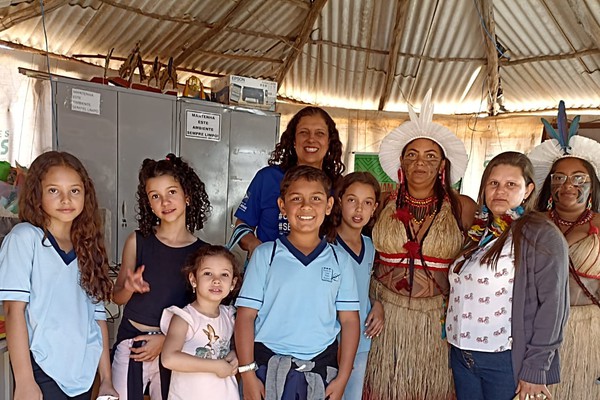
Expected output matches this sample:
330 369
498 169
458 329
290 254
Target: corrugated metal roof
344 60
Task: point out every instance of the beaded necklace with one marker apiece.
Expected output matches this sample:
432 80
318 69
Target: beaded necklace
420 209
584 218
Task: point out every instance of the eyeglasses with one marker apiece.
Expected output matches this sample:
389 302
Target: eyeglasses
561 179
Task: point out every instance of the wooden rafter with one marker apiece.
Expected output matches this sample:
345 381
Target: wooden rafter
194 22
240 57
489 37
213 32
552 57
301 39
32 11
401 8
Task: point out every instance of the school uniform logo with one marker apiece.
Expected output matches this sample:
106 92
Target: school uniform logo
328 275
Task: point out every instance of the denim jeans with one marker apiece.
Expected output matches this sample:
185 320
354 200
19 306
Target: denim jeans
354 387
481 375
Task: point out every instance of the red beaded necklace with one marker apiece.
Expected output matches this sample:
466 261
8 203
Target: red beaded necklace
584 218
420 208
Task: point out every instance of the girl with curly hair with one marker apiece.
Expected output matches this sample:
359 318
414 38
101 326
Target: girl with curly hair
54 281
172 204
311 138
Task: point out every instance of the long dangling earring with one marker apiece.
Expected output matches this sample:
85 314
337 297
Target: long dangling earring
193 288
550 204
589 204
443 177
400 176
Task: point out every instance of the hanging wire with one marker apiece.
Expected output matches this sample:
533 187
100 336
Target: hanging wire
52 94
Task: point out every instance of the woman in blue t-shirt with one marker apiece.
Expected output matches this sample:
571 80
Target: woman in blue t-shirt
311 138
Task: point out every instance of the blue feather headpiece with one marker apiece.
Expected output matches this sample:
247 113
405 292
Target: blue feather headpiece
563 136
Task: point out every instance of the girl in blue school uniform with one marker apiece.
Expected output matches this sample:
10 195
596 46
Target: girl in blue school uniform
172 204
356 198
53 282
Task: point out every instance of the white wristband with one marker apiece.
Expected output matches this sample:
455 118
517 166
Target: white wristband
250 367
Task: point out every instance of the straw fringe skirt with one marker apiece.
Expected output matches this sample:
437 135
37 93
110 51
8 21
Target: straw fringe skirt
409 360
580 356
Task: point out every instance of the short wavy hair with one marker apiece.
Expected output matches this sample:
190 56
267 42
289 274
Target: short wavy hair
196 213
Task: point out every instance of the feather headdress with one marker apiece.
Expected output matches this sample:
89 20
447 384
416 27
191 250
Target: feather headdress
422 127
562 143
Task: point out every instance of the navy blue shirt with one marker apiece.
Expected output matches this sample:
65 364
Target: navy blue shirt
259 206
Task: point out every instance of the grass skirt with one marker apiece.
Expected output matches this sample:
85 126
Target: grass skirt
409 360
580 356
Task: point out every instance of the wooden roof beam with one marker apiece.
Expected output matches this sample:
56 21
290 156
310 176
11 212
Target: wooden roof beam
301 39
401 8
26 13
240 6
489 37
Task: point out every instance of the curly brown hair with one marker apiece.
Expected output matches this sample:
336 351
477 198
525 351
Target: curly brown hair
285 155
87 229
196 213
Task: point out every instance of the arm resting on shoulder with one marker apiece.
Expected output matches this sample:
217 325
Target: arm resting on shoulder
249 241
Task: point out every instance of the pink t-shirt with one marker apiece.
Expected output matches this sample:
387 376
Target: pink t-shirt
206 338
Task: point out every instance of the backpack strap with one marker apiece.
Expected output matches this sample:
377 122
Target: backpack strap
334 254
273 252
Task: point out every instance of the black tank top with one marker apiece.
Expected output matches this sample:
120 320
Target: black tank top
168 286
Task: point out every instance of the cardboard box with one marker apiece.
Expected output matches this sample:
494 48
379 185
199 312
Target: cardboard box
242 91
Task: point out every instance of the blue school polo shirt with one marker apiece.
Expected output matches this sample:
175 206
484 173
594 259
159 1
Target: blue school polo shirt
298 296
64 336
362 265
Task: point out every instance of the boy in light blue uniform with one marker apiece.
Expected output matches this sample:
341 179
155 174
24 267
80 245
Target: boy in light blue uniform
294 288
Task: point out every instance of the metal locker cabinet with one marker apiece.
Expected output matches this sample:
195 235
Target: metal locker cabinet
253 136
206 147
146 126
92 138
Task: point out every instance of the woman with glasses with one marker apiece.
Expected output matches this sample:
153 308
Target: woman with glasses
508 299
567 169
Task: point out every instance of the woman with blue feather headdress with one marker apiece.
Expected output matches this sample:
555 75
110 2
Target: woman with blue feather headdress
567 167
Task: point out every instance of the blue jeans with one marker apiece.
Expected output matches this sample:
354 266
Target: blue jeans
481 375
354 387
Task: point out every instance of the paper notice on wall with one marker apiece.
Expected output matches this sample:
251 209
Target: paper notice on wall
203 125
85 101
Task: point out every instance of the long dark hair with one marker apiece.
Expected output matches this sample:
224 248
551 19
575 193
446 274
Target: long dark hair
285 155
546 192
441 190
343 184
196 213
86 230
520 161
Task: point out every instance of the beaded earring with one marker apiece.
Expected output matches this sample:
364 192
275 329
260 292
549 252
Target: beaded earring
443 177
550 204
400 176
589 203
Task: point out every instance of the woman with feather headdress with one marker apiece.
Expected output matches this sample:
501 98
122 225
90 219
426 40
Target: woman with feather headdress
417 235
567 169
